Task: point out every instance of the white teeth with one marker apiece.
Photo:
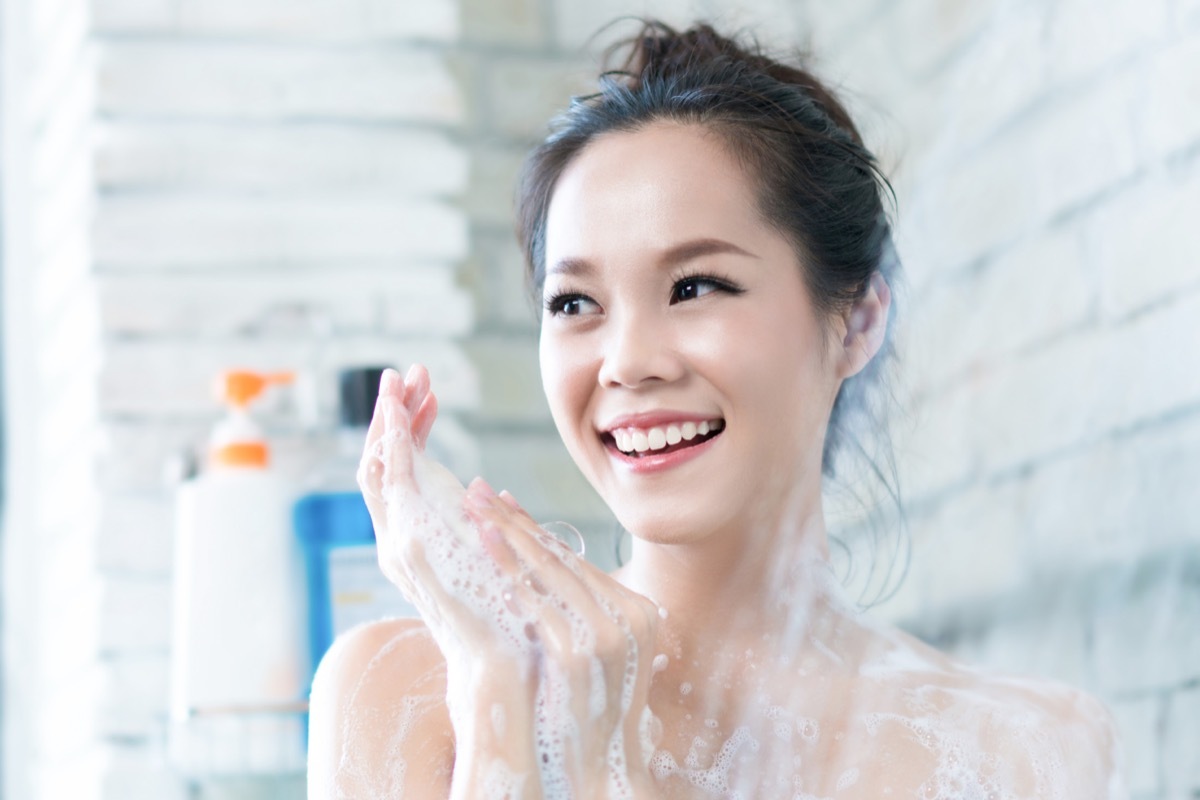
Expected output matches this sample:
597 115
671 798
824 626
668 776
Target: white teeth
637 440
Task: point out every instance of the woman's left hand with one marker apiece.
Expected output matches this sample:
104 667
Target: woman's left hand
594 643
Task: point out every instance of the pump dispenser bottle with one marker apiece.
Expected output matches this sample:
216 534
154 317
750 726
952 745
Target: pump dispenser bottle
238 663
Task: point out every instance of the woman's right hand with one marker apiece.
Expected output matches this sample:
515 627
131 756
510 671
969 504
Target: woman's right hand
548 659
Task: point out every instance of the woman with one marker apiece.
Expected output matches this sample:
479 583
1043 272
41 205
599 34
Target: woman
708 238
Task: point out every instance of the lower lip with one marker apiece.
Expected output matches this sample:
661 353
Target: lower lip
664 461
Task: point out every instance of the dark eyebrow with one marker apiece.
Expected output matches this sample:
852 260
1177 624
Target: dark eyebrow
678 254
700 247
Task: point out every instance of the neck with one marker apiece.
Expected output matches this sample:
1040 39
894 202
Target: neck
732 583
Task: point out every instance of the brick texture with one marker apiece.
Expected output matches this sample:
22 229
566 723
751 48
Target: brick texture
1053 296
202 185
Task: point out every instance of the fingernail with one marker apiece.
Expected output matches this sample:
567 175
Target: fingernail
510 501
411 375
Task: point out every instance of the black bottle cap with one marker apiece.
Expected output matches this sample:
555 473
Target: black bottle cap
358 389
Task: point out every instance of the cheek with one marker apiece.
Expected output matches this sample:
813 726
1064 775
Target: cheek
565 381
781 377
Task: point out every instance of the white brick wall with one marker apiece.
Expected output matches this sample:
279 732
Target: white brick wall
334 20
170 232
264 81
200 185
394 300
387 161
1142 227
1182 731
576 23
1047 163
1138 722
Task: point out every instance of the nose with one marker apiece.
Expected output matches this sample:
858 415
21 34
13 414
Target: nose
636 352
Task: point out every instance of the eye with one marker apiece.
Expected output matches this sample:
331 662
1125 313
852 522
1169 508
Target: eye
695 286
570 305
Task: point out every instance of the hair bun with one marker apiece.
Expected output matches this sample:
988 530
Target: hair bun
658 51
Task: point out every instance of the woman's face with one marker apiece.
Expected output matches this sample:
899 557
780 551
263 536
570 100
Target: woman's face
672 307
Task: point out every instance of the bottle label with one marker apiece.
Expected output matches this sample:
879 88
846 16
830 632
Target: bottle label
358 590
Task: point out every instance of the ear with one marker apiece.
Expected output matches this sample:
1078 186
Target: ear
864 327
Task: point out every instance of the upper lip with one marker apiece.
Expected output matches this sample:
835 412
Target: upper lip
654 419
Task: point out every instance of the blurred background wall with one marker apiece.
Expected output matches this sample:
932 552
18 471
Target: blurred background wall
197 184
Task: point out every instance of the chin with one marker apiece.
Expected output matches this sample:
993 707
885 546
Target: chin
665 527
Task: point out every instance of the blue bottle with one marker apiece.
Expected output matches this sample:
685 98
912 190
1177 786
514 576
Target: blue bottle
345 585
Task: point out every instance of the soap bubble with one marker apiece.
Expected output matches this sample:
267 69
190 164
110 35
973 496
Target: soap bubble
566 534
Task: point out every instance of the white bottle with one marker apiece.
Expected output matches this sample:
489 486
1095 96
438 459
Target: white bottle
238 663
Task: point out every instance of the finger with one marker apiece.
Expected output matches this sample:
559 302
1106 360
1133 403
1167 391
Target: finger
519 589
423 420
370 467
511 567
550 570
541 531
635 606
546 537
395 447
416 388
375 428
477 503
518 530
507 497
546 563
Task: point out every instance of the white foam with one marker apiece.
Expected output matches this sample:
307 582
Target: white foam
809 729
714 779
426 517
847 779
501 783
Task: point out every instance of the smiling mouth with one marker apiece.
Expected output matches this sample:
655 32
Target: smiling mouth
638 443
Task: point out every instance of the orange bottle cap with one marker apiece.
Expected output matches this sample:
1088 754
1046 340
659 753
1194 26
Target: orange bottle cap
241 454
240 387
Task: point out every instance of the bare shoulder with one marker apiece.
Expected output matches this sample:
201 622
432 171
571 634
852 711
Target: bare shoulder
377 718
400 648
1015 736
1058 737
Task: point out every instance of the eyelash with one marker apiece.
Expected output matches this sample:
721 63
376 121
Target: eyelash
701 277
555 303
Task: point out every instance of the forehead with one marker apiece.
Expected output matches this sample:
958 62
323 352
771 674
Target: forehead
628 193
